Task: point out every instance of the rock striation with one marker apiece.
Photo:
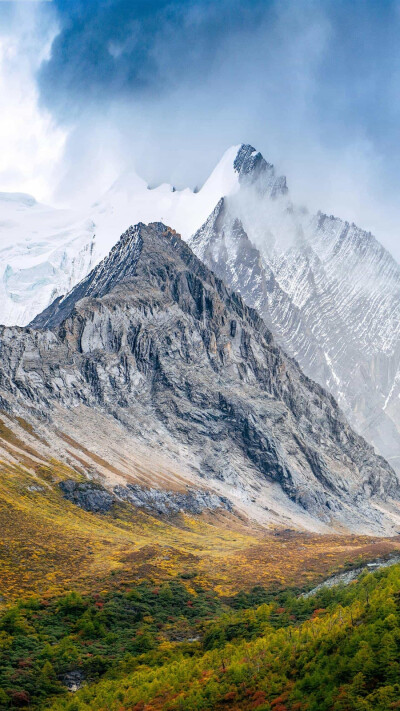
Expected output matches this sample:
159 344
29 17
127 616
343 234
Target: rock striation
329 292
154 340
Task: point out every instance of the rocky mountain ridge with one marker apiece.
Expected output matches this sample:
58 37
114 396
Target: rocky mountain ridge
46 251
329 292
153 341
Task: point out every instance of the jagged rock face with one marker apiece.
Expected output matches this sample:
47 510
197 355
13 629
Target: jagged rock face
88 496
329 292
119 265
253 170
97 499
154 339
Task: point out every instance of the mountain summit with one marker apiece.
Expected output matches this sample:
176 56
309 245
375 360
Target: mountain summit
157 344
328 291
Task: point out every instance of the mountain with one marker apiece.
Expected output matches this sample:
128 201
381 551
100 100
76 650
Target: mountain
328 291
151 358
45 251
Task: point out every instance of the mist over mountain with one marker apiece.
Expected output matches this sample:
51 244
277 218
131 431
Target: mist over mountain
328 291
92 89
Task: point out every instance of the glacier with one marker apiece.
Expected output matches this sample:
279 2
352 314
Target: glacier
45 251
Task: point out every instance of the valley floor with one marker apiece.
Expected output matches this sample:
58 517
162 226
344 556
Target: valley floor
49 545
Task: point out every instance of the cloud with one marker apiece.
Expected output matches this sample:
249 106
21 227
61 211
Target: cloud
173 84
30 142
165 86
124 48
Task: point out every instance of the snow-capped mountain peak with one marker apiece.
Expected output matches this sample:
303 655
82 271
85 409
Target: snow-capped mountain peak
44 251
328 290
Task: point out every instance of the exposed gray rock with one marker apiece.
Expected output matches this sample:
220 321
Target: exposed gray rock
97 499
167 502
119 265
329 292
254 170
73 680
350 575
88 495
154 339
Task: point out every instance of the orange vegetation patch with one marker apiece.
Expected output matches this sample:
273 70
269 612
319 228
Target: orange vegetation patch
48 544
297 560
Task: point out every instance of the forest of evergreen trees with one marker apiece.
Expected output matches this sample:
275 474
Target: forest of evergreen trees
180 646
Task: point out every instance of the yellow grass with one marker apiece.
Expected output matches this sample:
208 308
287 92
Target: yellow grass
48 544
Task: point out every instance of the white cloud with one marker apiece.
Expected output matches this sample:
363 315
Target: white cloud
268 86
30 145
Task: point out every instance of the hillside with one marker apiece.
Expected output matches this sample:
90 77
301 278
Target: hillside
178 645
152 349
165 470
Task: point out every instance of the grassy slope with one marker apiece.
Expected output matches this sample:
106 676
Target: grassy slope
180 577
49 545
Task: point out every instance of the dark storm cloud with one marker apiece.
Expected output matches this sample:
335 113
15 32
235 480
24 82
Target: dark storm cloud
122 48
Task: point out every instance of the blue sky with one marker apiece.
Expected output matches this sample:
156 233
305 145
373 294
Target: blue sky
167 85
